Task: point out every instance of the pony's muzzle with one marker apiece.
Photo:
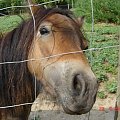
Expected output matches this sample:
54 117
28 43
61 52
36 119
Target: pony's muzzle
81 96
75 87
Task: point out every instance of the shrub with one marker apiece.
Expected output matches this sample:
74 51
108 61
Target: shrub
104 10
111 87
9 3
101 95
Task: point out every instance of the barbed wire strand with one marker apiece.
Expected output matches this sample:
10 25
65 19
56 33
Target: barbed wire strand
12 106
57 55
25 6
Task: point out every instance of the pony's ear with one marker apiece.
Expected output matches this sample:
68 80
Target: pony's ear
81 20
35 8
85 45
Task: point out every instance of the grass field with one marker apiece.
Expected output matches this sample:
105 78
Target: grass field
7 23
104 62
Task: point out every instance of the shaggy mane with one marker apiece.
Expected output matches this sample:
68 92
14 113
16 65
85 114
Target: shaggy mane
16 82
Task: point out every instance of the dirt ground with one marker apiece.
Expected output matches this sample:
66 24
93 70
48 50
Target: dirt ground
56 115
46 109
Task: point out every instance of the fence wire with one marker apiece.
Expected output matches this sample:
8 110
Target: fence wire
91 49
61 54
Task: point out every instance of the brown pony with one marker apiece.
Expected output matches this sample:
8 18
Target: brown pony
68 77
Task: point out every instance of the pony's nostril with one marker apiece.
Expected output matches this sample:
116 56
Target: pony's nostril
77 87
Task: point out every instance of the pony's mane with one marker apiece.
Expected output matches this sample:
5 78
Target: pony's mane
41 14
16 82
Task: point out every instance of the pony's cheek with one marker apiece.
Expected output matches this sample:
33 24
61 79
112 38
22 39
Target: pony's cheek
34 69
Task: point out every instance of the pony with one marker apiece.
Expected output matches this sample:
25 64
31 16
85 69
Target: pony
67 77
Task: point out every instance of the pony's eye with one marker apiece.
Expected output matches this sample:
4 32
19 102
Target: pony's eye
44 31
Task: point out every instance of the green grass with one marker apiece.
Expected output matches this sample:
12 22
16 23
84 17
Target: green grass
36 118
7 23
101 94
104 10
111 86
104 61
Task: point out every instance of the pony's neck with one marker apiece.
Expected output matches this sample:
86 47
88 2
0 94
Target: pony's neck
16 82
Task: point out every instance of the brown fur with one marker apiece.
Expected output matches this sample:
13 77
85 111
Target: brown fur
16 81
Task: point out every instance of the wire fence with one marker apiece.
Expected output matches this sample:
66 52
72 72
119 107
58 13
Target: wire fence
91 49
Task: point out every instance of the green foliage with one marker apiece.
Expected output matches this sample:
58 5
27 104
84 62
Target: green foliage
101 95
9 3
36 118
7 23
104 61
15 10
111 86
104 10
102 77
